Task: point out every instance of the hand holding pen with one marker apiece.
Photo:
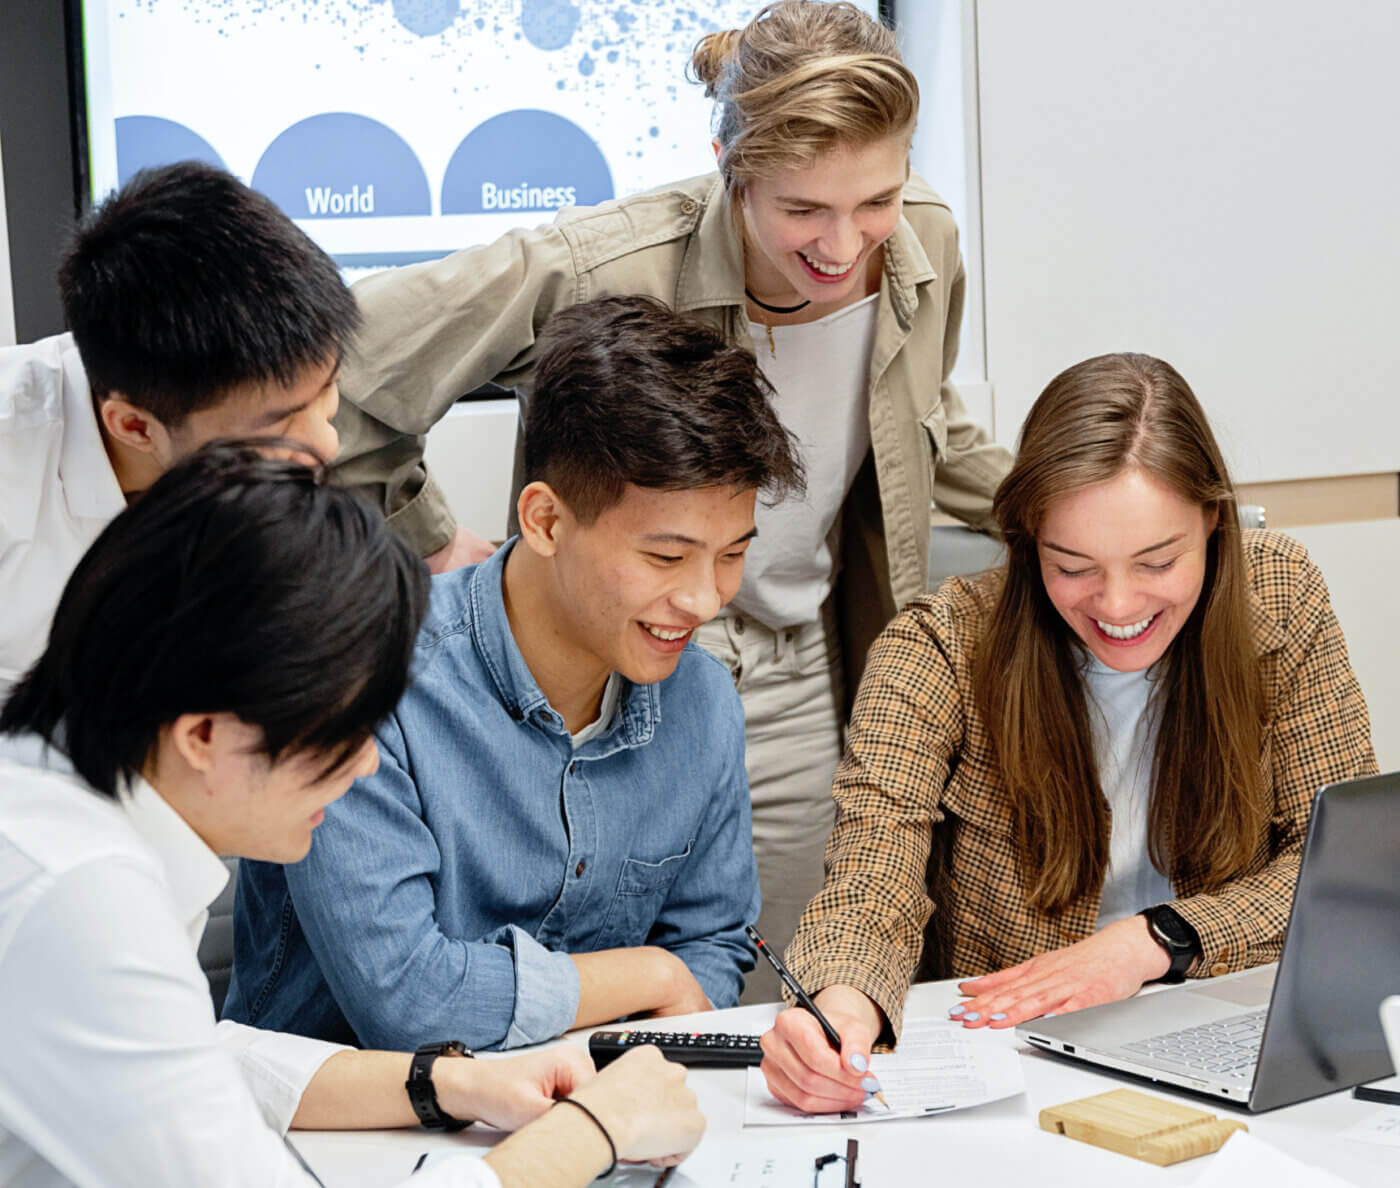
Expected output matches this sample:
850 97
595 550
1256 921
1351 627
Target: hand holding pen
806 1063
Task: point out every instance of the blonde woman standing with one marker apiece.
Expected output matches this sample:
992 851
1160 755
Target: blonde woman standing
813 246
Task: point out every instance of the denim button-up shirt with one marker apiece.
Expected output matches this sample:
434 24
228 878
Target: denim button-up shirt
443 893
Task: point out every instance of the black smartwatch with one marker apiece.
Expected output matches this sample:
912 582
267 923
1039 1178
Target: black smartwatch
1176 936
420 1085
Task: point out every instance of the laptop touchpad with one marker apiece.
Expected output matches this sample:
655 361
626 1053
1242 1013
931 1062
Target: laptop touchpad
1251 989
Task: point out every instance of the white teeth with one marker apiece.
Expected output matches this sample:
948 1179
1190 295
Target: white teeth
1131 631
828 269
668 636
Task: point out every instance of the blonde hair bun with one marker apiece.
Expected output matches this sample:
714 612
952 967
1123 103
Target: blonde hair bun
801 78
712 54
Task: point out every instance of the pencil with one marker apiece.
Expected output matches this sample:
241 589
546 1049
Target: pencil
804 1000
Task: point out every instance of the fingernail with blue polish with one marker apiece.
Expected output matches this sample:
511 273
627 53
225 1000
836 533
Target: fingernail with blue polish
858 1062
1048 1015
971 1017
957 1010
998 1017
870 1085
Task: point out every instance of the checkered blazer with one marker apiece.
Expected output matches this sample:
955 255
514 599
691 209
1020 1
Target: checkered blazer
919 779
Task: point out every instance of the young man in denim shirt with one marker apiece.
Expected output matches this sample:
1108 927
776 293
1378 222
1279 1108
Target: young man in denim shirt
559 830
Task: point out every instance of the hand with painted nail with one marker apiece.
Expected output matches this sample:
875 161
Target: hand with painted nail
1112 964
800 1065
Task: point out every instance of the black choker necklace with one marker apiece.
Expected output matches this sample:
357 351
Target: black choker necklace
777 309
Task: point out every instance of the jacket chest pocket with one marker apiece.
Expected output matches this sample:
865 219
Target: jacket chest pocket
642 888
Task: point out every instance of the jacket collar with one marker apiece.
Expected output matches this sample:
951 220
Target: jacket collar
712 271
90 487
638 708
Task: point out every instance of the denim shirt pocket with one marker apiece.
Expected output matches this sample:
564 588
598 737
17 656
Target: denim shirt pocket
642 888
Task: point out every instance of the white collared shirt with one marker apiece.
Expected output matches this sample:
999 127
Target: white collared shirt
57 490
112 1069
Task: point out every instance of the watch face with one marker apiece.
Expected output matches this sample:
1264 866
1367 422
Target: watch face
1170 927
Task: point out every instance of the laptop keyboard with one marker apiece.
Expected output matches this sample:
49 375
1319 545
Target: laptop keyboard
1227 1049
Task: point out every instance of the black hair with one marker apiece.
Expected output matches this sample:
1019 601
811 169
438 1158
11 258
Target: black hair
186 283
628 391
238 583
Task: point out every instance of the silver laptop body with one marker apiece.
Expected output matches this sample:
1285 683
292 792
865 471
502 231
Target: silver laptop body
1282 1033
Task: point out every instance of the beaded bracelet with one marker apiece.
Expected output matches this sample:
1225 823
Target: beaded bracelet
612 1147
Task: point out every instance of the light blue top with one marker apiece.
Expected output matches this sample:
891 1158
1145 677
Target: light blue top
1124 728
442 894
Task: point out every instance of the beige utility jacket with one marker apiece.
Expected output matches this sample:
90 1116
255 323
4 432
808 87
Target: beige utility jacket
435 331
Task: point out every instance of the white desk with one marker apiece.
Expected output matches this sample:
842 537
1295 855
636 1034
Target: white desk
993 1145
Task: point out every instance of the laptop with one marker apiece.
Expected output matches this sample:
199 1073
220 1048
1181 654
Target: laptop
1283 1033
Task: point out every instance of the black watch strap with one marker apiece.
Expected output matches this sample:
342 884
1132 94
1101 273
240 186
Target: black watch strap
1180 941
420 1085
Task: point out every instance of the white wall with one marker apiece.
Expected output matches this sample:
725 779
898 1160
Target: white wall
471 453
937 40
7 299
1213 183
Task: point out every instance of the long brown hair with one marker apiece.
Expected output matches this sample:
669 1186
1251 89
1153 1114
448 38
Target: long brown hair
799 79
1207 805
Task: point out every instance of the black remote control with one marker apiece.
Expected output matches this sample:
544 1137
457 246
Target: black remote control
684 1047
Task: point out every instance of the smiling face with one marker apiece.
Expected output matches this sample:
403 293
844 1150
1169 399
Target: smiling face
630 588
814 234
1123 562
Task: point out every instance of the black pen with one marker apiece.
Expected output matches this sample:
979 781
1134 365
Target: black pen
804 1000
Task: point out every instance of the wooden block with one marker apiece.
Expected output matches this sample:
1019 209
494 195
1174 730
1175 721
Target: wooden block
1137 1124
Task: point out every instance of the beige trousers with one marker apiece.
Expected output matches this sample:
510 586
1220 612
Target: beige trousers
793 693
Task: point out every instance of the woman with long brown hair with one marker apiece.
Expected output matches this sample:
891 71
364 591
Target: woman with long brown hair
1091 768
811 246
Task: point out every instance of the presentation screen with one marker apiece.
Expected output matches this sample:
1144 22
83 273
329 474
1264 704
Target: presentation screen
399 130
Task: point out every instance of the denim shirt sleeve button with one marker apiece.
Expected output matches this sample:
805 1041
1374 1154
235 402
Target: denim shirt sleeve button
578 870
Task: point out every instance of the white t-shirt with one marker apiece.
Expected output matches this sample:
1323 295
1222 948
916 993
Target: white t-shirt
1125 741
820 375
57 490
607 709
112 1069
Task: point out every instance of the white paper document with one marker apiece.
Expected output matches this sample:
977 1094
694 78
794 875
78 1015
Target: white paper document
939 1066
1245 1159
771 1163
1381 1127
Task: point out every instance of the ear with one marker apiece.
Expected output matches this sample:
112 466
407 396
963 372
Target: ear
543 518
194 737
1212 518
134 427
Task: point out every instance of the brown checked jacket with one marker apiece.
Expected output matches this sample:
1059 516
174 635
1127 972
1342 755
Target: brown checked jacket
919 779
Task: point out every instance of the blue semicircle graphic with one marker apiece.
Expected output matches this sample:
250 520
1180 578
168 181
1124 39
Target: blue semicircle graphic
144 141
340 165
525 160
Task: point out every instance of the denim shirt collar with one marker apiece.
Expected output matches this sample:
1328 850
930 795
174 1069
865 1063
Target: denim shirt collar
638 708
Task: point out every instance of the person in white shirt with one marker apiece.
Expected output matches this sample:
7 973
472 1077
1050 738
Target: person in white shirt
217 663
197 310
